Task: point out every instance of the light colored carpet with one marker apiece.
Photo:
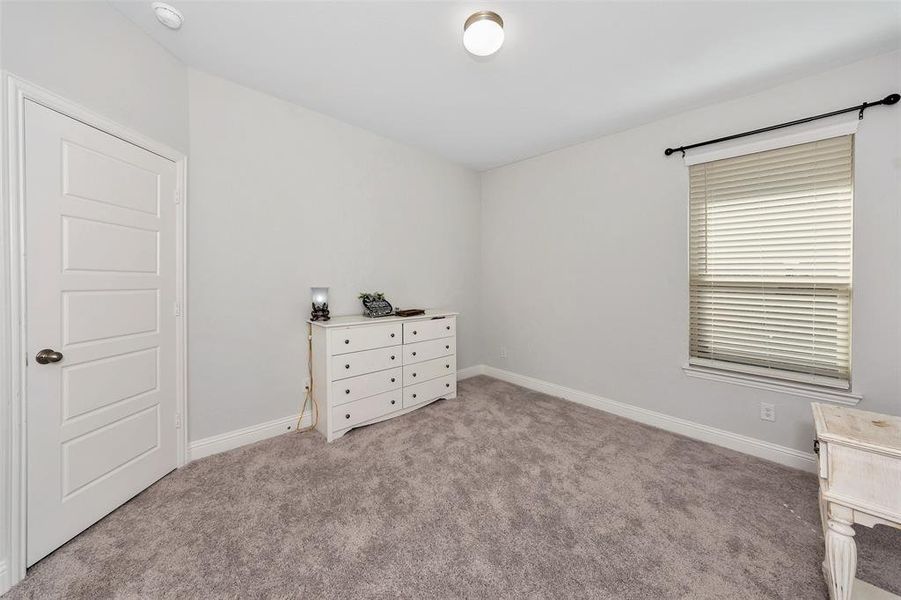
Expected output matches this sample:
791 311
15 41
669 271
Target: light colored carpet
500 493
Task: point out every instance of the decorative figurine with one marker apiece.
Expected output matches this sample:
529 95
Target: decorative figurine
375 305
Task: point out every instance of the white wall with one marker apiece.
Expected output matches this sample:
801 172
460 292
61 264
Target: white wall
281 198
584 275
91 54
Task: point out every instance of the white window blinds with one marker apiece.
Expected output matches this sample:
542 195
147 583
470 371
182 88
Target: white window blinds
770 263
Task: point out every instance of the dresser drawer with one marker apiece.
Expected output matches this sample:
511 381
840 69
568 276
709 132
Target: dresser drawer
368 361
430 369
354 413
354 388
416 353
421 331
354 339
436 388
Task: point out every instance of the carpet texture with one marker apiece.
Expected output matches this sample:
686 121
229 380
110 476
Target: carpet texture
500 493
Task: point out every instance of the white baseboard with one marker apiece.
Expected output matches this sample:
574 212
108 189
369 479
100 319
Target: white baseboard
5 583
239 437
741 443
470 372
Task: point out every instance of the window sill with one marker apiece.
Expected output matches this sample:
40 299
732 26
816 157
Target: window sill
772 385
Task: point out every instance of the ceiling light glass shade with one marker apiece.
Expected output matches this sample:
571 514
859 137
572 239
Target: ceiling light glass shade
483 33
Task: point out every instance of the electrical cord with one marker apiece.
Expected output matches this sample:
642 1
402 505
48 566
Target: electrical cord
308 397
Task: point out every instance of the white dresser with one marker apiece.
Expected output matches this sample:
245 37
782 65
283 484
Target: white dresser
368 370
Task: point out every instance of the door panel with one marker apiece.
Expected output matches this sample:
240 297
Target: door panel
94 384
86 244
102 314
100 289
119 183
85 458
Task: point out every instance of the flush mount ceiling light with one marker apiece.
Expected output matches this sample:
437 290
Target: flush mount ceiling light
168 15
483 33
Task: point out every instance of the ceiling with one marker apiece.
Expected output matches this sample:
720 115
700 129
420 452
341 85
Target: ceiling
568 71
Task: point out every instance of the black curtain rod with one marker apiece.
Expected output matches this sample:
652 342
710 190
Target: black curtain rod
888 101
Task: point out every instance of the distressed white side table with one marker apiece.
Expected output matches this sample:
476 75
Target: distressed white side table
860 482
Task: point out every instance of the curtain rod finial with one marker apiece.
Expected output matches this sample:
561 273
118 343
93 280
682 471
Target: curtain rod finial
668 151
892 99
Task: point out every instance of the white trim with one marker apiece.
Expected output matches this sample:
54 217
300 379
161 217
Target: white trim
4 578
181 322
772 374
772 385
470 372
741 443
12 300
801 134
247 435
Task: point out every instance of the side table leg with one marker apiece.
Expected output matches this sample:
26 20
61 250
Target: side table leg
841 557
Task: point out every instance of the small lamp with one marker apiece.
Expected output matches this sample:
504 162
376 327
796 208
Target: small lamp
320 304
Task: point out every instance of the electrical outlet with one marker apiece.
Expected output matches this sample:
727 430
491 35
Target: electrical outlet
503 352
767 411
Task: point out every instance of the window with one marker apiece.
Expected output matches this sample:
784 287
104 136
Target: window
770 263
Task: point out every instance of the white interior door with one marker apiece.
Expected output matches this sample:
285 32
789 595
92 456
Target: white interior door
100 296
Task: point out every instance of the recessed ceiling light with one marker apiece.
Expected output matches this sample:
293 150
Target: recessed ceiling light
168 15
483 33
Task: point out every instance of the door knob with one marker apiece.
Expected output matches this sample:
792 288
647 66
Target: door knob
47 355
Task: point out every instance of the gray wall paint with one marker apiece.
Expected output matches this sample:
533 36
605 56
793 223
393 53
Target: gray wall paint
89 53
584 250
281 198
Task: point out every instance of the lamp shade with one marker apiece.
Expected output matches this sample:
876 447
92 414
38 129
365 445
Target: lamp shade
319 295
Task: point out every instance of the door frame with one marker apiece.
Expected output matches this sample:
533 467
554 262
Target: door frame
13 389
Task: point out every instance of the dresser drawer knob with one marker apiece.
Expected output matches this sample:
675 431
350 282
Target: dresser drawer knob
346 391
448 327
393 401
447 366
346 366
392 357
414 374
347 416
446 385
392 335
392 380
414 332
414 395
414 354
346 341
446 347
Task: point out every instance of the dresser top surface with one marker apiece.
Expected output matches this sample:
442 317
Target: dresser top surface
858 427
348 320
